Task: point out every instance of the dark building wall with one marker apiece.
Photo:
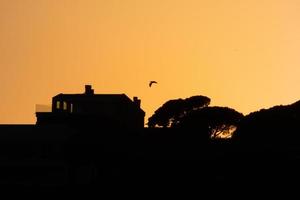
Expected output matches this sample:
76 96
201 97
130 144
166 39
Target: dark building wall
101 121
125 113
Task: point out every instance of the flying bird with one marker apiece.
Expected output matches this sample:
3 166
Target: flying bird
151 82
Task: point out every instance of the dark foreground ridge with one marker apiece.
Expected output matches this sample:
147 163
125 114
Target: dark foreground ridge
80 149
56 157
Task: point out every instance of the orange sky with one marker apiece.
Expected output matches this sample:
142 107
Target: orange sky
240 53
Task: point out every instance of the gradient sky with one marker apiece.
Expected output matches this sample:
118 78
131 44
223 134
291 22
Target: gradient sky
241 53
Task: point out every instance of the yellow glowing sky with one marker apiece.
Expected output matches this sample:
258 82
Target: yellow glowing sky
241 53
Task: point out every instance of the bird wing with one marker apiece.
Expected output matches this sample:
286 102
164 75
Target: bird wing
151 82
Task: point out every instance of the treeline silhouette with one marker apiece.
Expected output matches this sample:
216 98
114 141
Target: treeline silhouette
274 126
188 144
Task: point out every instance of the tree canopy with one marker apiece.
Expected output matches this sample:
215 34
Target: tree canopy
211 122
169 114
275 125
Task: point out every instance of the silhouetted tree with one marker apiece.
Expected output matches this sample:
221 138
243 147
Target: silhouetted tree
169 113
211 122
273 126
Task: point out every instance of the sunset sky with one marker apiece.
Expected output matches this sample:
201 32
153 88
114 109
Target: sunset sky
244 54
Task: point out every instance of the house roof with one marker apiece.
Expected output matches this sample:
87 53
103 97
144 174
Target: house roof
92 97
112 98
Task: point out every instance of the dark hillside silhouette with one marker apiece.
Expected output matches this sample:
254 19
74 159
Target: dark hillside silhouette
96 143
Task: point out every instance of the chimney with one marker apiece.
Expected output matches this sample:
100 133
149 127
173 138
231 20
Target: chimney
89 90
137 102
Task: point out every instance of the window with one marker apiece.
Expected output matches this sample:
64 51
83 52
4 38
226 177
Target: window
58 105
71 108
65 105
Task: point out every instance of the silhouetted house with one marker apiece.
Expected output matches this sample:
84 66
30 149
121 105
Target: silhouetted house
108 110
